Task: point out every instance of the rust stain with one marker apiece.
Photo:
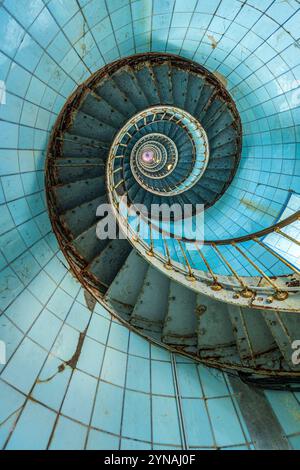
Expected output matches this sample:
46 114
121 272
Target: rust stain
74 359
222 79
213 41
60 369
72 362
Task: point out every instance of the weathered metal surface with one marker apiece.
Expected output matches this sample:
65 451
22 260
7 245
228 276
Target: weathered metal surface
255 343
215 334
264 428
76 193
152 303
107 265
125 288
180 322
285 329
82 217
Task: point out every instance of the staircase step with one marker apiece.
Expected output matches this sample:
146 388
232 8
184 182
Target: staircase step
181 321
88 245
255 343
224 136
69 170
147 82
215 335
180 86
204 101
111 93
125 288
164 82
83 147
80 218
152 303
194 89
74 194
96 107
87 126
128 84
107 265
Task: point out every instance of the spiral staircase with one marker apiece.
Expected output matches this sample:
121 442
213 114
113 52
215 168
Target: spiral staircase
159 129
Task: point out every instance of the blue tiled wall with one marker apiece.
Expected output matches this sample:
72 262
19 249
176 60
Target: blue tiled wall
47 48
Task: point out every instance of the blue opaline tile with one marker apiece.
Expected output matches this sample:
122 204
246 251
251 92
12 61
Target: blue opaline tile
120 17
295 442
29 232
189 384
213 382
102 441
138 346
80 396
118 337
68 435
128 444
137 419
91 357
33 429
11 336
114 367
55 267
52 383
45 329
11 402
197 423
23 368
98 328
11 33
160 354
94 12
138 374
42 287
11 286
108 408
26 267
165 421
286 408
162 378
44 28
225 422
78 316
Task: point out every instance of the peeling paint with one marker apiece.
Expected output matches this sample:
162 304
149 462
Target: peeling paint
213 41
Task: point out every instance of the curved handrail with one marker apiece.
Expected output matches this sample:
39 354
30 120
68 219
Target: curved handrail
244 286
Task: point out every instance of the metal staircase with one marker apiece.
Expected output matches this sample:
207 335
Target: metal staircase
224 302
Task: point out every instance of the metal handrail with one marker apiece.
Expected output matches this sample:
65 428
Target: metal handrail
245 287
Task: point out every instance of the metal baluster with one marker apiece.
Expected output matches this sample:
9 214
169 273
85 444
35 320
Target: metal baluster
270 250
118 184
168 264
150 252
215 285
136 236
285 235
190 276
279 295
246 292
